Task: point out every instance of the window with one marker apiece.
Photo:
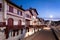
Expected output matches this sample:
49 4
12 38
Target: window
10 9
19 12
0 6
28 16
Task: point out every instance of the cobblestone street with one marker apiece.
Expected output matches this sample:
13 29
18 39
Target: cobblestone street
42 35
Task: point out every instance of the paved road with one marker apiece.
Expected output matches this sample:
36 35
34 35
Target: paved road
42 35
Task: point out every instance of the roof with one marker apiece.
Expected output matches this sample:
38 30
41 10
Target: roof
34 10
8 1
29 11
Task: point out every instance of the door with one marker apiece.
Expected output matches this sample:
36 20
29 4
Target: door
19 23
10 22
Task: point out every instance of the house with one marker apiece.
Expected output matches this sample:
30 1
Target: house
30 21
34 17
28 17
14 19
11 18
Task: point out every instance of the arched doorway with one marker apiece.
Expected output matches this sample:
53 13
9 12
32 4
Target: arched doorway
10 22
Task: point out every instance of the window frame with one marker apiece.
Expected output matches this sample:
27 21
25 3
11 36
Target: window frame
19 12
11 9
28 16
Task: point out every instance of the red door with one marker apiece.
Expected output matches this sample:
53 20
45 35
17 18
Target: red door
10 22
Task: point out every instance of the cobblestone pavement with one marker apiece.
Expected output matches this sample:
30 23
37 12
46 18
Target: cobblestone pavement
42 35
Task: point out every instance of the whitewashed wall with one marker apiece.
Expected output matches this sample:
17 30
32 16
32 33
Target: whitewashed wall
15 10
1 13
1 16
23 23
15 23
5 10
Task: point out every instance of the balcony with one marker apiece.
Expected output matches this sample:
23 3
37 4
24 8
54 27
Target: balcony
27 17
14 14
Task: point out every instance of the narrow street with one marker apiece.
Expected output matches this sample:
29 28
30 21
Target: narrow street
42 35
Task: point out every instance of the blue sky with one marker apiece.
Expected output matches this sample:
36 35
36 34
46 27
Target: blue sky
45 8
